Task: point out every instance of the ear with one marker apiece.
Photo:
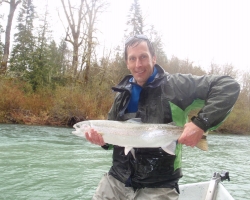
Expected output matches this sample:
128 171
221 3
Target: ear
154 60
127 65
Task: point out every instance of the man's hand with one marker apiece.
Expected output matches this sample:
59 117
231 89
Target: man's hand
94 137
191 134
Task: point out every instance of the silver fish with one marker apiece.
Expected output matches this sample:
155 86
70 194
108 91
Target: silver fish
133 134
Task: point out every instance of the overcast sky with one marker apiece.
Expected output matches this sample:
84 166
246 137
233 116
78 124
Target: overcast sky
203 31
215 31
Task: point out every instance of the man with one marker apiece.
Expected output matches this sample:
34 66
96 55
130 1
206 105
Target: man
155 96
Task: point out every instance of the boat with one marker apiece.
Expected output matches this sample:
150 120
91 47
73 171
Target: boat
209 190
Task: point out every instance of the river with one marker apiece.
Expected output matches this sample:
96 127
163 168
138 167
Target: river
40 162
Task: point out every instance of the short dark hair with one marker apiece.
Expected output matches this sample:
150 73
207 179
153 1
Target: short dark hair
135 40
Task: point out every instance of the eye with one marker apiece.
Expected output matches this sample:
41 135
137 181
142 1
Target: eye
132 59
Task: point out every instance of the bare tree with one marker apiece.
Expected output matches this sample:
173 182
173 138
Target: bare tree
214 69
81 32
246 87
75 30
93 8
229 70
13 5
226 70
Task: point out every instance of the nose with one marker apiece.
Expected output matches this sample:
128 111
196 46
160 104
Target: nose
138 62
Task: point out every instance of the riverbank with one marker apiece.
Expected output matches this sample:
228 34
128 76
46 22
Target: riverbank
61 106
66 105
26 117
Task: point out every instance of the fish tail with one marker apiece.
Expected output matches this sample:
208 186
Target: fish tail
202 144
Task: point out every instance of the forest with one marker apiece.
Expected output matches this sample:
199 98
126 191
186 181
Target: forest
43 82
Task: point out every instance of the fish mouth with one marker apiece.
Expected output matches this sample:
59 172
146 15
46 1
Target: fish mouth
76 126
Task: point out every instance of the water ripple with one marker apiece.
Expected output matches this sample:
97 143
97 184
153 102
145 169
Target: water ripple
40 162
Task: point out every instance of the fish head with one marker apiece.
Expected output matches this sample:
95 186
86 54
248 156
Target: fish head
81 128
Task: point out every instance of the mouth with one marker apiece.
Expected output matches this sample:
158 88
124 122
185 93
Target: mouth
140 72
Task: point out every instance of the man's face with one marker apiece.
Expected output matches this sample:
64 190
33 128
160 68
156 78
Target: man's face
140 62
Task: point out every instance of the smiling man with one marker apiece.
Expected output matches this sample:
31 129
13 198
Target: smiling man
155 96
140 62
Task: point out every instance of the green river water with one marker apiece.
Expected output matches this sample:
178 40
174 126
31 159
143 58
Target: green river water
40 162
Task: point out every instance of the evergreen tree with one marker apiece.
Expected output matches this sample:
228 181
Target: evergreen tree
56 64
63 57
40 70
136 26
135 20
24 41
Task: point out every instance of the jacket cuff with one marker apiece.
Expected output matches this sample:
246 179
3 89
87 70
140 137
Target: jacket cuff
199 122
107 146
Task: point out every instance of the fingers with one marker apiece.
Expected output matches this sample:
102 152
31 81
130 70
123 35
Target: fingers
188 139
94 137
184 139
191 135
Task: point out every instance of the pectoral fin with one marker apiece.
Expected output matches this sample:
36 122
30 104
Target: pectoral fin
127 150
133 152
170 149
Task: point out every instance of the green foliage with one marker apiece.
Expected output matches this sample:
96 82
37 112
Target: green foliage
35 59
24 41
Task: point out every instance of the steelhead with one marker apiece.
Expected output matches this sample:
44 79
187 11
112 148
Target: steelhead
134 134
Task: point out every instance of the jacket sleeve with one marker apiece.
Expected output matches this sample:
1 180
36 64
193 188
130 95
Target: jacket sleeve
218 92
